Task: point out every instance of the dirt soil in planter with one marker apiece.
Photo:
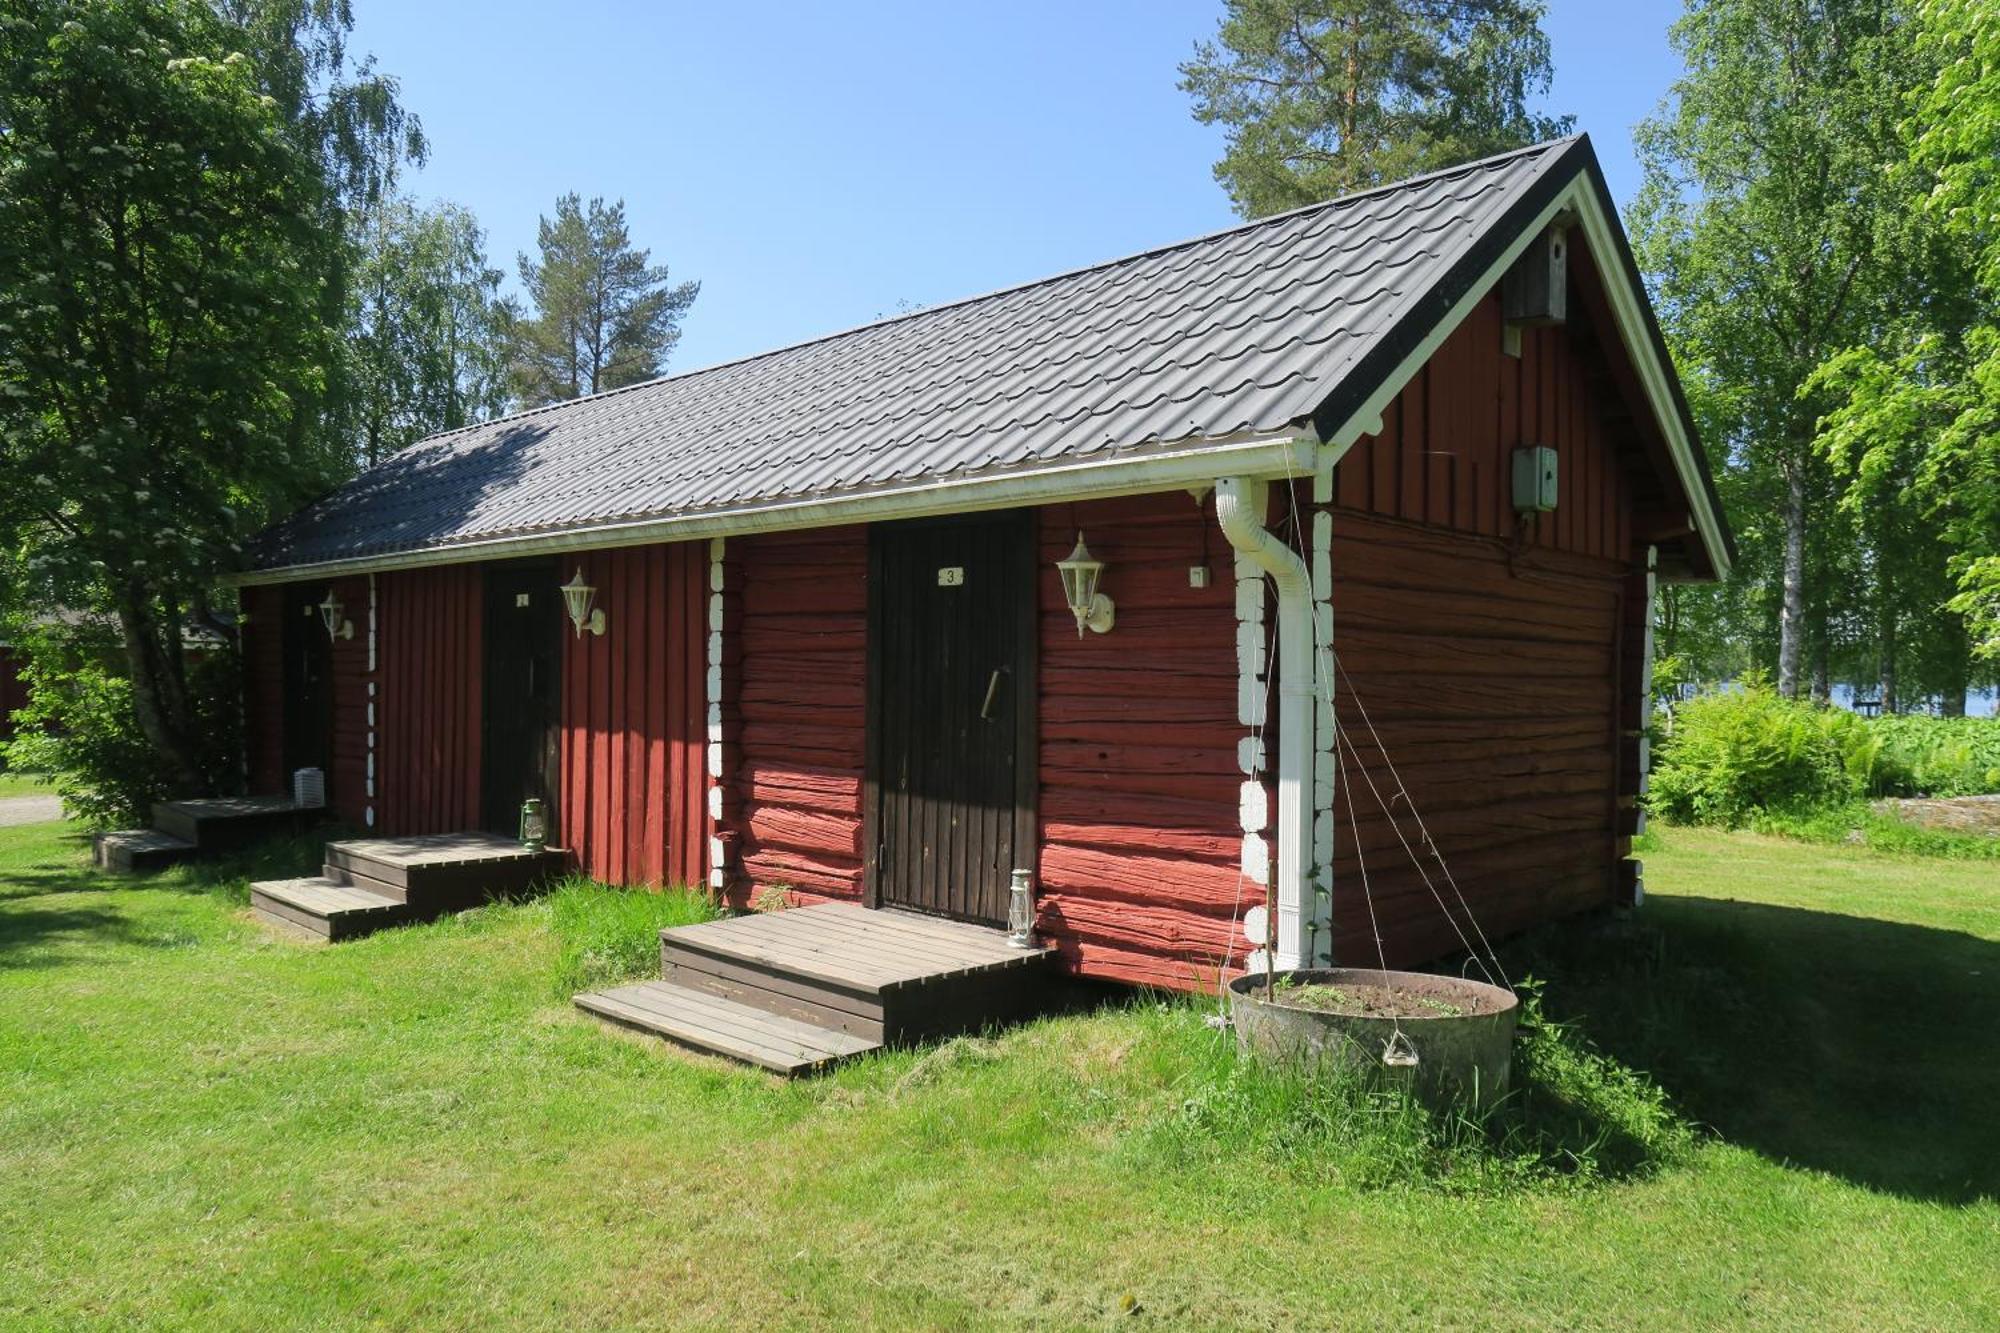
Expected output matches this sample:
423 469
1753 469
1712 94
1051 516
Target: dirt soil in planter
1366 1001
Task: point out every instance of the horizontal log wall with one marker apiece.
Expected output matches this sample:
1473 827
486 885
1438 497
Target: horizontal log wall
1444 455
430 666
632 805
1141 848
1492 680
795 654
263 644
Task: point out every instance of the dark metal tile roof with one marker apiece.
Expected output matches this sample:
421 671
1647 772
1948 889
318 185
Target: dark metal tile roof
1244 331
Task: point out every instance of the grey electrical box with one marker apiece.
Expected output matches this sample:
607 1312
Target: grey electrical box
1534 479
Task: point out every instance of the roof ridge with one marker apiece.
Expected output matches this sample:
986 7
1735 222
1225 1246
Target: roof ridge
1408 182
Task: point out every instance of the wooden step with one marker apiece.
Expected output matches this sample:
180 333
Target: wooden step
883 975
139 850
230 823
443 870
326 907
789 994
720 1026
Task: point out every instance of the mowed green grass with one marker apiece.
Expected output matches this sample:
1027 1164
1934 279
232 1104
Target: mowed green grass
203 1125
23 784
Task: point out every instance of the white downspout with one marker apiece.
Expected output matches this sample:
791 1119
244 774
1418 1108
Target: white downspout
1239 509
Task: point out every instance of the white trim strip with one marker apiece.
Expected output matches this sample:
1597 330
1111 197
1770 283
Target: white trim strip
717 874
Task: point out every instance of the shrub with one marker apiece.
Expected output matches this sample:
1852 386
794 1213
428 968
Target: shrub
79 728
1737 753
606 935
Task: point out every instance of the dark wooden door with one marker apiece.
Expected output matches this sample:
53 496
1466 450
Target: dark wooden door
951 685
308 733
522 698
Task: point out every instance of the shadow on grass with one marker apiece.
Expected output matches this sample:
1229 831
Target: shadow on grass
30 931
1858 1047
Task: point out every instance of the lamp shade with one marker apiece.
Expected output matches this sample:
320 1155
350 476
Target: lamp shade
577 596
1080 572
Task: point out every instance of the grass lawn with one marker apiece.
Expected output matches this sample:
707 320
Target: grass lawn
23 784
204 1125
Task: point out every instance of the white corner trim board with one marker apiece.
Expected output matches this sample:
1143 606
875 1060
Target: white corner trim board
368 814
1239 509
713 748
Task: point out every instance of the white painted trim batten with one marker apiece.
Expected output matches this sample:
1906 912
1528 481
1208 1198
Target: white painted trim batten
712 748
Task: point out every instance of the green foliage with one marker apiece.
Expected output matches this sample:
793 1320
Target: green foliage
606 935
1915 417
78 727
1323 97
163 351
603 317
1734 753
1775 230
426 344
1746 756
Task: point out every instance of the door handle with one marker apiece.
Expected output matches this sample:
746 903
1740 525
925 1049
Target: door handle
992 688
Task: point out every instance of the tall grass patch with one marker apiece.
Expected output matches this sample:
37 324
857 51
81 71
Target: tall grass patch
1573 1116
606 935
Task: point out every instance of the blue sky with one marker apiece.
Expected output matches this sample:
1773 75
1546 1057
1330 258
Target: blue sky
815 165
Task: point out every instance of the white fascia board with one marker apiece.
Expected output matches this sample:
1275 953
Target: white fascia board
1580 199
1290 453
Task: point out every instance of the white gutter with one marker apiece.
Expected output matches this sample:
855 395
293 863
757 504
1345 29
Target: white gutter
1125 473
1239 508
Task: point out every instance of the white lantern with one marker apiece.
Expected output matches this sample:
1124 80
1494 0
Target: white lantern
577 596
1080 573
337 625
1021 911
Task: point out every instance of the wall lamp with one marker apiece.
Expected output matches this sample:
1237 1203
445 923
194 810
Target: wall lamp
577 597
337 625
1080 573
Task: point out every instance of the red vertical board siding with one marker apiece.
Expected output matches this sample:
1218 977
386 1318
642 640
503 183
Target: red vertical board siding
1444 454
264 688
430 666
633 807
1141 845
347 775
798 685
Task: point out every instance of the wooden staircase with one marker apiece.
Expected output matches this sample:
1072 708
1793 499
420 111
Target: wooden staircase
799 990
369 883
188 830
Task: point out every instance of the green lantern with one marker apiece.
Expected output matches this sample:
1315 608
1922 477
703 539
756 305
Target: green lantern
534 825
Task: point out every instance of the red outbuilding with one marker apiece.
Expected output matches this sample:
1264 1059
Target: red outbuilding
1249 564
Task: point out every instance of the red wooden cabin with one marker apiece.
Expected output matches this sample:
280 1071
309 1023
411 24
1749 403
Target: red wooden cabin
837 660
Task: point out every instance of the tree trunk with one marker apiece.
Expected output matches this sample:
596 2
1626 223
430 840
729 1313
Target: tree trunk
1792 615
159 695
1888 647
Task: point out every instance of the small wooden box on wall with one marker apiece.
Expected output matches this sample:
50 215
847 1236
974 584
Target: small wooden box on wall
1535 292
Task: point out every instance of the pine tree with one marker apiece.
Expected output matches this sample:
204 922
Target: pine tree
603 317
1323 97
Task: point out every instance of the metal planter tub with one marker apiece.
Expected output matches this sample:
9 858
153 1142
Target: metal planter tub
1445 1038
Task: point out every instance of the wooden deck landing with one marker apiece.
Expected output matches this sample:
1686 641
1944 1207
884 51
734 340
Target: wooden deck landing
840 979
369 883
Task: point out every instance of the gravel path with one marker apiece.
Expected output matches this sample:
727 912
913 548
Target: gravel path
29 810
